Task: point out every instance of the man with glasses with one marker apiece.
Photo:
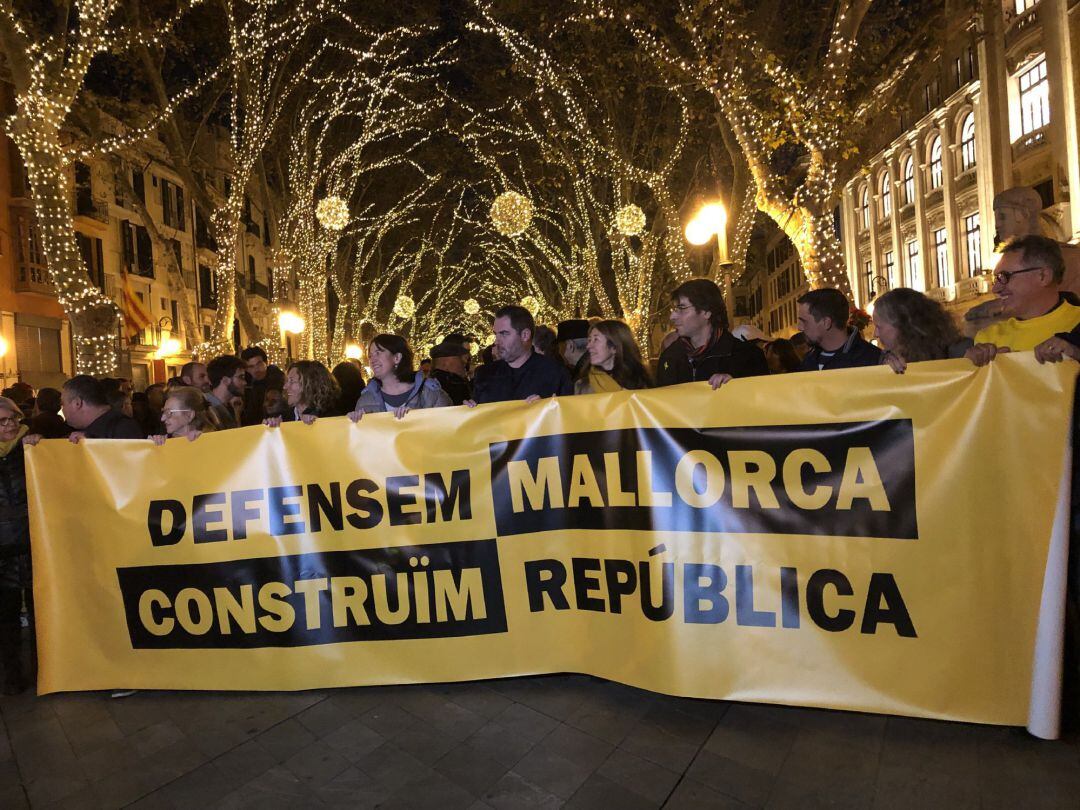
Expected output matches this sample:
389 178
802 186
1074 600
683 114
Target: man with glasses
1027 282
705 349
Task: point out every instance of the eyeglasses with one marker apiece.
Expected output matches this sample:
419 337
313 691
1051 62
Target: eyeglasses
1005 276
172 411
681 307
8 421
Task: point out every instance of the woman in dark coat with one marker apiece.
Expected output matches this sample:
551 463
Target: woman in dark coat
15 578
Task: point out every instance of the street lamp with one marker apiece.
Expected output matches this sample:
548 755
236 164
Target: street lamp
711 221
879 285
353 351
291 322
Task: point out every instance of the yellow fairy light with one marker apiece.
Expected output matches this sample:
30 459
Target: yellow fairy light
630 220
404 307
353 351
530 303
332 213
511 213
474 349
471 306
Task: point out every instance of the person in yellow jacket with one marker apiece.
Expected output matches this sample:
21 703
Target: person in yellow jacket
1027 280
612 360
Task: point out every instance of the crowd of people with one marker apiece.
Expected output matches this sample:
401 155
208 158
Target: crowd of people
526 362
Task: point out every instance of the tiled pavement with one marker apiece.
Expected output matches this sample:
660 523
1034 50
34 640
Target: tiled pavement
561 741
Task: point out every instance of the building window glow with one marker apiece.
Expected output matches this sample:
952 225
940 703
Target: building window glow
941 258
1023 5
890 270
967 143
1034 98
973 244
909 180
914 267
935 163
886 196
865 206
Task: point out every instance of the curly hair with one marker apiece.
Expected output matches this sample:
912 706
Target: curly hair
628 369
926 330
319 390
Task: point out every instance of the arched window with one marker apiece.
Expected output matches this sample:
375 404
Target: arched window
909 180
864 205
935 162
967 143
886 195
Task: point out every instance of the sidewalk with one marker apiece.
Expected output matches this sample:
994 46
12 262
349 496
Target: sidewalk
543 742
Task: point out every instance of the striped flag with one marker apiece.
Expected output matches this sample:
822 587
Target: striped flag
136 316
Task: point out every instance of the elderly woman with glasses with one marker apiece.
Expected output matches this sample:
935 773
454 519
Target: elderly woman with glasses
185 415
15 573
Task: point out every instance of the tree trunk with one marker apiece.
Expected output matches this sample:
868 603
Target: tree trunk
811 232
93 317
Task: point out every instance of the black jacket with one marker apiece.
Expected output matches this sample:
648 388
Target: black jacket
456 387
540 375
726 354
855 353
114 425
14 521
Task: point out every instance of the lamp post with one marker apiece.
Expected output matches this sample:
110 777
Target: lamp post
289 322
711 221
879 285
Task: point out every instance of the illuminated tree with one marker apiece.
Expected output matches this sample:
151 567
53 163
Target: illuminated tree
801 101
48 47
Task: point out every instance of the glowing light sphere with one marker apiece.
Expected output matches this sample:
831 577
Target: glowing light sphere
697 232
471 306
489 340
404 307
353 351
630 220
291 322
474 349
530 303
511 213
332 213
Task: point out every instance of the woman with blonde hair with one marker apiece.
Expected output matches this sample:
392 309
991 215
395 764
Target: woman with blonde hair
310 392
612 360
185 414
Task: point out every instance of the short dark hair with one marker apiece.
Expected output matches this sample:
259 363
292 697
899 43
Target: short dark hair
520 318
704 296
828 303
48 400
86 388
395 344
187 368
254 351
1038 250
544 339
221 367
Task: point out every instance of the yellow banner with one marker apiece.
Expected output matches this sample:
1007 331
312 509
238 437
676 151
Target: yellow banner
851 539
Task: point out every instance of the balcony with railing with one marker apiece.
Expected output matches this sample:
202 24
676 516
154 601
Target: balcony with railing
1031 142
91 207
1018 26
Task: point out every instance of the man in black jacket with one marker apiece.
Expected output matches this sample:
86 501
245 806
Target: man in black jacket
86 408
519 373
705 348
823 318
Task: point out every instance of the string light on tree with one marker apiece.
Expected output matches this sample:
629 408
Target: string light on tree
630 220
530 303
511 213
404 307
471 306
332 213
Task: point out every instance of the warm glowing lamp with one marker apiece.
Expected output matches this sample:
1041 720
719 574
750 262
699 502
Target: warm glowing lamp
353 351
291 322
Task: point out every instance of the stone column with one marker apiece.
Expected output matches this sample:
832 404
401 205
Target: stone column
1061 57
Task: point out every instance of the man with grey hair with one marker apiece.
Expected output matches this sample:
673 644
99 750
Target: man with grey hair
1027 282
